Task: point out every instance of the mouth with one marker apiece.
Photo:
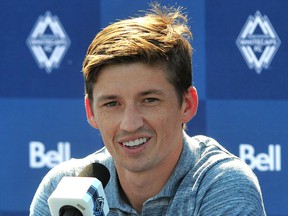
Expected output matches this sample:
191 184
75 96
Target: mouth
136 143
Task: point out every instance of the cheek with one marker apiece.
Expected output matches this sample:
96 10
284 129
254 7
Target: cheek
166 121
105 123
107 131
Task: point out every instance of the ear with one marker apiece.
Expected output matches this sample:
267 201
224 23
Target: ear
190 104
89 113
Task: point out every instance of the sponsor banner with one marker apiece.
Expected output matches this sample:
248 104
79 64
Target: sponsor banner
42 117
256 132
246 49
36 135
44 48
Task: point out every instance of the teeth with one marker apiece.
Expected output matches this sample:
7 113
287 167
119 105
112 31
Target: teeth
135 142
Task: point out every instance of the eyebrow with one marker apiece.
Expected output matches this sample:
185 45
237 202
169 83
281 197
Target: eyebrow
106 97
151 91
143 93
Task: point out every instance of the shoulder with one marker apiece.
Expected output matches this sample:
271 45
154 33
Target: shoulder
216 163
225 184
230 187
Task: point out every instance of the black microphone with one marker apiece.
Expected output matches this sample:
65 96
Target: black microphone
96 170
83 195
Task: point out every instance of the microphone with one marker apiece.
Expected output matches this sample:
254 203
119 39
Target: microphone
82 195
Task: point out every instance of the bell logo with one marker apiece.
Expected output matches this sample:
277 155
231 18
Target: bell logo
38 158
263 162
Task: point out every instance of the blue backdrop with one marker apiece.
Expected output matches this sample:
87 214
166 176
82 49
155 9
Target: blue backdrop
240 71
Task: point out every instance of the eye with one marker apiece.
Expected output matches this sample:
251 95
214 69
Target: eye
151 100
111 104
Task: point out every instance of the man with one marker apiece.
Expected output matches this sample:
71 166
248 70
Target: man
138 94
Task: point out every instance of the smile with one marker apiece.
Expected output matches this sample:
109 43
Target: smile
136 142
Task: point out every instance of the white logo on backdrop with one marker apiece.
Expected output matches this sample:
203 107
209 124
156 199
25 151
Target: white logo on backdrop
39 157
48 42
258 42
263 162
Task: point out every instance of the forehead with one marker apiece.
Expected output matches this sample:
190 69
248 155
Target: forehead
131 73
131 77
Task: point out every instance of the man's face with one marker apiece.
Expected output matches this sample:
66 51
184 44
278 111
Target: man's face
137 112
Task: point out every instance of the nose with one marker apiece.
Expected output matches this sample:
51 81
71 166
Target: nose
131 119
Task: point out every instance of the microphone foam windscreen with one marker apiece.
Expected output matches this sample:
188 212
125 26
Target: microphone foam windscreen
96 170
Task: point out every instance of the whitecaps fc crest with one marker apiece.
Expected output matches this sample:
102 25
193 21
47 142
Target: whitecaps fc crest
48 42
258 42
